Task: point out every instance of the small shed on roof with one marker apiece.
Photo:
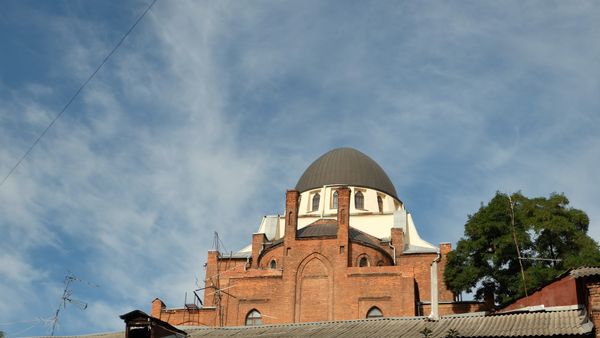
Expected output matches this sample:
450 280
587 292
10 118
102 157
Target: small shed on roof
138 324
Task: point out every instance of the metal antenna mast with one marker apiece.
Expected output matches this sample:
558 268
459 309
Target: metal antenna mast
66 297
215 284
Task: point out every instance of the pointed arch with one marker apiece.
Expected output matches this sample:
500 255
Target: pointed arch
359 200
314 289
334 200
374 312
380 203
316 200
253 318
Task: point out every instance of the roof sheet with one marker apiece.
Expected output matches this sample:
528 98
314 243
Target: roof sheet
328 227
572 322
538 324
585 271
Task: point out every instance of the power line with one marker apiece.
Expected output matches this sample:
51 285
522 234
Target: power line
77 92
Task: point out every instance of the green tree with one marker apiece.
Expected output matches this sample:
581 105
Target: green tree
552 237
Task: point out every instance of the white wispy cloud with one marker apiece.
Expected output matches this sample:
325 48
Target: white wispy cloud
210 110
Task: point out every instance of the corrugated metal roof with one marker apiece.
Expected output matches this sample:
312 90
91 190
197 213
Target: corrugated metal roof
346 166
585 271
538 324
533 324
120 334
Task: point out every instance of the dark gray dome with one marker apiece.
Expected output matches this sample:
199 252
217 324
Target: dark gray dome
346 166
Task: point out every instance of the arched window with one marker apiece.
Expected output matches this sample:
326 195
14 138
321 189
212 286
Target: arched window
253 318
334 202
380 203
315 202
374 312
273 264
363 261
359 200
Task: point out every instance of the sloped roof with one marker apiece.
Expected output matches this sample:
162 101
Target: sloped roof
545 323
585 271
538 324
328 227
346 166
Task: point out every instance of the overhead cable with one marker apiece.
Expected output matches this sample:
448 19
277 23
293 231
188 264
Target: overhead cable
77 92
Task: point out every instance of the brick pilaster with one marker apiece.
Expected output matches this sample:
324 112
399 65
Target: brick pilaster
291 217
343 217
594 304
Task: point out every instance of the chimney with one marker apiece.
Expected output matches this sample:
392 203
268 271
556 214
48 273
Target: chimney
258 240
211 272
397 239
291 217
157 307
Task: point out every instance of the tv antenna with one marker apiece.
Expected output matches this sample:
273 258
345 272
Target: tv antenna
67 298
215 283
218 296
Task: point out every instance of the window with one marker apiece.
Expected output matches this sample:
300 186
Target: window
363 261
334 200
253 318
315 202
273 264
380 203
374 312
359 200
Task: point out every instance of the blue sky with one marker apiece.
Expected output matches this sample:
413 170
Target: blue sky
210 110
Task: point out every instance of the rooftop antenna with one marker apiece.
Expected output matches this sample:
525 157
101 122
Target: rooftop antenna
66 297
215 284
218 293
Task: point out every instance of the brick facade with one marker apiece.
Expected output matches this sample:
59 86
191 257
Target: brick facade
592 288
316 278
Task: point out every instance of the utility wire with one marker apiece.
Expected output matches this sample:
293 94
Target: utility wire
512 222
77 92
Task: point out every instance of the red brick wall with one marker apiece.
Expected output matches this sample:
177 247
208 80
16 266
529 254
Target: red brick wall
315 279
592 284
559 293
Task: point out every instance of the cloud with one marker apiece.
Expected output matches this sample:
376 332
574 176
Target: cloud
210 110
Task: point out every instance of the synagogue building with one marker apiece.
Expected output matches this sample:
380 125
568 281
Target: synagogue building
344 248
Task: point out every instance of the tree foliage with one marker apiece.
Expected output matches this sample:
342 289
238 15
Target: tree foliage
552 237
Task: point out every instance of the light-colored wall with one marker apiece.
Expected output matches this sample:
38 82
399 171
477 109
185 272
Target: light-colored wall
390 204
369 219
